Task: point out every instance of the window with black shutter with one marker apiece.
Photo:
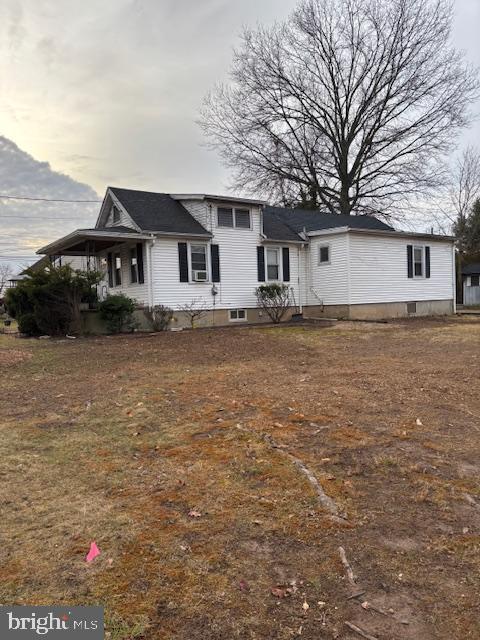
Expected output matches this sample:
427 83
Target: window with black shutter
286 264
261 264
410 260
117 269
215 260
141 277
183 261
133 266
110 269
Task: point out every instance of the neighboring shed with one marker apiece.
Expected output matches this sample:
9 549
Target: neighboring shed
471 284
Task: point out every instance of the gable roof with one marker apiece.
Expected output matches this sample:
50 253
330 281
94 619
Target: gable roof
158 212
297 220
471 269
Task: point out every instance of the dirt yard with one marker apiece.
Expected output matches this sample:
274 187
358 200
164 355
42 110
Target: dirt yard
192 460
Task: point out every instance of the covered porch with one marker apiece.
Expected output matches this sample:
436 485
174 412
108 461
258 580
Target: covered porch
119 252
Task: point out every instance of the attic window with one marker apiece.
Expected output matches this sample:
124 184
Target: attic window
115 214
324 254
242 218
225 217
230 218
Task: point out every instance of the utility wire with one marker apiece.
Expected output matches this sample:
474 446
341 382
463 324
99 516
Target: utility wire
38 217
7 197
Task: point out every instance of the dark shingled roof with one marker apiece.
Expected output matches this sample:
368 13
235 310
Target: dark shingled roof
471 269
277 219
158 212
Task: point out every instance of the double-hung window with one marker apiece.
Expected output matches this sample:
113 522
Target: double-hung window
230 217
273 264
199 262
475 281
418 261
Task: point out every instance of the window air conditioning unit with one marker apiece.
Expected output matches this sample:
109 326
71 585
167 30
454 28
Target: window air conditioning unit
200 276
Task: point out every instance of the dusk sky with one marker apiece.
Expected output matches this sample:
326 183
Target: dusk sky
98 93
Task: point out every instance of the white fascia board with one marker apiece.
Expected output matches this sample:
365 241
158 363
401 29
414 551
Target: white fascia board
208 196
404 234
78 234
175 234
381 232
327 232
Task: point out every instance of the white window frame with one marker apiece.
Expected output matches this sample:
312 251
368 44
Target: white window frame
422 249
325 245
279 264
237 319
207 262
234 218
249 218
226 226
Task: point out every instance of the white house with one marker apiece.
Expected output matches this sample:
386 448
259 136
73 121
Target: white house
171 249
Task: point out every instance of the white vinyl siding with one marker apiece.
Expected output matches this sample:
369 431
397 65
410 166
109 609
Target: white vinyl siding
238 268
327 282
379 270
124 219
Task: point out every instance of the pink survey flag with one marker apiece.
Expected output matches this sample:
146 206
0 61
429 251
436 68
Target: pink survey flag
93 553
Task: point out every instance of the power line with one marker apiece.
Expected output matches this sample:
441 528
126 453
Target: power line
7 197
39 217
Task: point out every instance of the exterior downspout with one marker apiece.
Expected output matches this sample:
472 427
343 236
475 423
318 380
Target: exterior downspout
349 299
150 273
300 303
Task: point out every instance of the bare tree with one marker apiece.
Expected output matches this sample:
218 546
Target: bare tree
195 310
350 105
6 273
464 190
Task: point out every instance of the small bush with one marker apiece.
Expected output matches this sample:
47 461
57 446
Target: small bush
27 324
274 299
160 316
117 313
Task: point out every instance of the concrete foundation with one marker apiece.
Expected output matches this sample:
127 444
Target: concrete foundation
382 310
92 324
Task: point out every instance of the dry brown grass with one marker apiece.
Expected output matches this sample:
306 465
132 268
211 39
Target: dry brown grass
123 440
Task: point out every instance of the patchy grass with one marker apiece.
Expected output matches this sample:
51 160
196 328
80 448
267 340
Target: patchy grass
169 452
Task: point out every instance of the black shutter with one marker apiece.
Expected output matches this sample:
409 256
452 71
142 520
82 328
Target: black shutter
410 260
110 269
286 264
427 262
141 277
261 264
214 253
183 261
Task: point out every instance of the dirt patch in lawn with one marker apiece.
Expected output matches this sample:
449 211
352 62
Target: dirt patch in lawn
191 459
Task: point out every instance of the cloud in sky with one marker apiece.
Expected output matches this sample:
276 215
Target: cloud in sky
24 225
108 92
